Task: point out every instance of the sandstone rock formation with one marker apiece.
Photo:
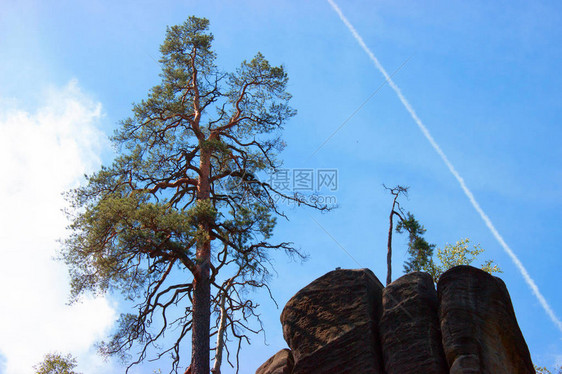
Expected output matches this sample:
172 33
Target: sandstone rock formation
345 322
280 363
331 325
478 324
409 327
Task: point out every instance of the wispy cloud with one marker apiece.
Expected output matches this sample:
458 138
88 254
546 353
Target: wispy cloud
452 169
42 154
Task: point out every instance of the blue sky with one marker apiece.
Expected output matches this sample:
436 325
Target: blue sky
483 77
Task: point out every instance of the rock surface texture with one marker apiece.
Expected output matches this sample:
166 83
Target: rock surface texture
409 327
280 363
331 325
478 324
346 322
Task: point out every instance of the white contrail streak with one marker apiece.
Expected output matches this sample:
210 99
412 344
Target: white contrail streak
452 169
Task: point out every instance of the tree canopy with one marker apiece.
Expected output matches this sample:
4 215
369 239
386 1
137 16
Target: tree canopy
183 216
419 250
56 363
544 370
458 254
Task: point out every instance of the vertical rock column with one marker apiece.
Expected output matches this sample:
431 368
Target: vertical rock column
331 325
478 324
409 327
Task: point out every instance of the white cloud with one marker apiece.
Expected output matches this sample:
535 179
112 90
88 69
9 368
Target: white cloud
43 154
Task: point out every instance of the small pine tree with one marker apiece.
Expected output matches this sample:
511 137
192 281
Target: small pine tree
419 250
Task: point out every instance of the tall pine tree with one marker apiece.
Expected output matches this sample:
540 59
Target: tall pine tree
182 212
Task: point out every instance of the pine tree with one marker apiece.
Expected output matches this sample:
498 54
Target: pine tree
185 205
419 250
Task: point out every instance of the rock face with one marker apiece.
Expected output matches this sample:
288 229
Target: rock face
478 324
345 322
331 325
280 363
409 327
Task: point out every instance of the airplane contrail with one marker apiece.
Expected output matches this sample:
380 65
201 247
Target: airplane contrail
452 169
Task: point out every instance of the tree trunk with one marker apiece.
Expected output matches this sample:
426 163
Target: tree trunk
220 333
389 252
201 319
200 358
